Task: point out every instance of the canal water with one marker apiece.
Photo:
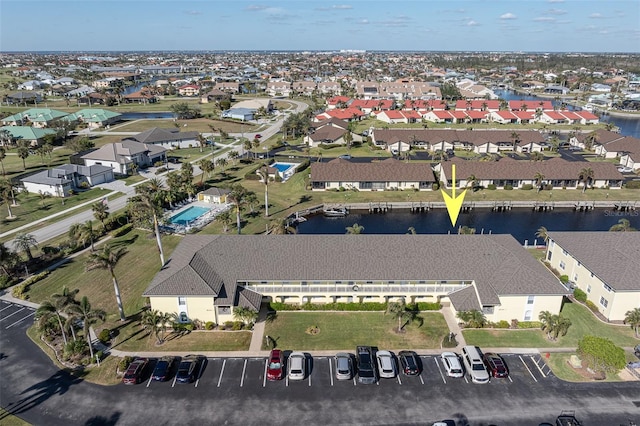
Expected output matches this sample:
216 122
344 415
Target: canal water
521 223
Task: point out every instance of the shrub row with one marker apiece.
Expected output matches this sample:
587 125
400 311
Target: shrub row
633 184
20 291
580 295
122 230
591 306
365 306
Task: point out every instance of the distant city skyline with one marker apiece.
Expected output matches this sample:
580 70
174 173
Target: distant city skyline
414 25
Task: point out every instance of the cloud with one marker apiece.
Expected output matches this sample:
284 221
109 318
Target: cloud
508 15
544 19
603 32
555 12
472 23
555 1
255 7
596 16
192 12
364 22
342 6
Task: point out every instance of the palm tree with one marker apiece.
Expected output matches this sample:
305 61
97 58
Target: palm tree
221 162
348 139
153 321
623 225
632 318
246 315
100 211
472 181
202 141
6 192
587 176
539 178
206 165
23 153
233 155
8 259
3 155
107 259
83 312
398 310
247 146
47 311
264 175
24 242
554 325
543 233
151 195
237 196
355 229
473 318
225 219
515 137
590 140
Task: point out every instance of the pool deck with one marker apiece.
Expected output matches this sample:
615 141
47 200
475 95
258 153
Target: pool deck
202 220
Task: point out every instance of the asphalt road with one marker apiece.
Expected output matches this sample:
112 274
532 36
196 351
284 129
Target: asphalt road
233 391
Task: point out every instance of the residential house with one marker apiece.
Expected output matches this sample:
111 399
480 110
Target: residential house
189 90
22 98
279 88
303 88
141 96
123 157
530 105
478 105
327 135
602 264
95 117
61 180
215 95
597 138
394 116
30 85
346 114
170 138
37 117
228 86
207 276
503 117
243 114
508 172
329 88
389 174
214 195
34 135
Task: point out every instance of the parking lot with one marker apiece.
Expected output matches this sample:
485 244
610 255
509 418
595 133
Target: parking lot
12 315
229 373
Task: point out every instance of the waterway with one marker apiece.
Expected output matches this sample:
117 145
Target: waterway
629 126
521 223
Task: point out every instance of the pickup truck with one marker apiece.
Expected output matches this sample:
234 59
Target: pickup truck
366 368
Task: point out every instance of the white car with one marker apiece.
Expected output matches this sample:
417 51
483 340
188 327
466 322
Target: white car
386 365
452 364
297 364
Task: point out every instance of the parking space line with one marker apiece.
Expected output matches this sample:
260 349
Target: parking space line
535 361
10 305
331 371
354 380
527 367
224 361
174 380
435 359
244 368
20 320
309 378
420 375
465 379
200 372
264 381
509 377
399 381
10 315
149 381
286 381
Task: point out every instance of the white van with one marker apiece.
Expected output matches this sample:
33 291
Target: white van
472 358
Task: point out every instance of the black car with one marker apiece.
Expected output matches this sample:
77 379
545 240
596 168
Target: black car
187 369
367 374
163 368
409 363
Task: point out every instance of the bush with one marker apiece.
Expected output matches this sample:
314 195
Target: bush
564 279
508 187
209 325
580 295
124 363
161 170
491 187
21 290
115 221
591 306
303 166
367 306
428 306
104 336
529 324
99 355
122 230
526 187
633 184
189 327
228 325
502 324
237 325
601 354
75 348
5 281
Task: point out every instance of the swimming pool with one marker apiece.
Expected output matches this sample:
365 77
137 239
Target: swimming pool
282 167
188 215
285 170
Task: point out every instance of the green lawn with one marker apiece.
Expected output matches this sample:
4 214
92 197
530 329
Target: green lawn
134 271
582 323
134 338
7 419
346 330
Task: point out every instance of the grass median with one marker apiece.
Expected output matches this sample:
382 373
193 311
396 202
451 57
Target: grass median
346 330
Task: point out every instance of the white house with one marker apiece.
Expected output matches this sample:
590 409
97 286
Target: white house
123 157
61 180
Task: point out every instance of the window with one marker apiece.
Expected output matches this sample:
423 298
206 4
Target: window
551 244
527 315
549 254
606 287
589 288
487 310
575 278
564 252
224 310
182 301
562 265
579 264
604 302
530 300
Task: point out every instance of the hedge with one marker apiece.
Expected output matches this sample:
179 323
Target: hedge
122 230
633 184
366 306
20 291
526 187
592 306
580 295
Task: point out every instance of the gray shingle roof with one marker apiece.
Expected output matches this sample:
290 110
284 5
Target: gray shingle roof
465 299
159 135
498 264
614 257
389 170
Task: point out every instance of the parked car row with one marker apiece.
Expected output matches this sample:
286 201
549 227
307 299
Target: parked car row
164 369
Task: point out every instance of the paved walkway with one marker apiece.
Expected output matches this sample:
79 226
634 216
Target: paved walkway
454 328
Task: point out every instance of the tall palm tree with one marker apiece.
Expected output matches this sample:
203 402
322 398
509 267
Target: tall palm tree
623 225
48 310
6 192
398 310
3 155
151 196
237 196
539 178
264 176
233 155
348 139
225 219
202 141
515 137
107 259
632 318
100 211
24 242
83 312
586 175
543 233
206 165
23 153
152 320
355 229
221 162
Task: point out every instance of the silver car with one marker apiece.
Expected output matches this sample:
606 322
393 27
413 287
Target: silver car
344 366
386 365
452 364
297 364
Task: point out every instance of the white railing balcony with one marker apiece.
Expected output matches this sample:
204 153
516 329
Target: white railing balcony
363 289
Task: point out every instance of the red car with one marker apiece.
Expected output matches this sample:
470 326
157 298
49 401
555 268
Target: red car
275 368
258 136
496 365
133 375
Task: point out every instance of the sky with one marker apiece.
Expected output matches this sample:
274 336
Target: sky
396 25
